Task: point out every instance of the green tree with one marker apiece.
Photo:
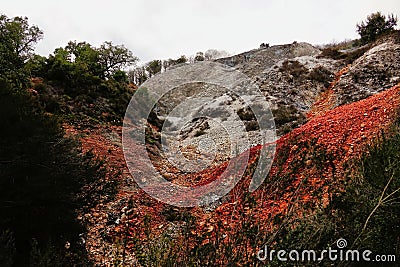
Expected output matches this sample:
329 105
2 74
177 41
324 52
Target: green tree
85 57
114 57
35 66
75 68
80 65
120 76
182 59
44 178
375 25
172 62
153 67
199 57
59 67
17 40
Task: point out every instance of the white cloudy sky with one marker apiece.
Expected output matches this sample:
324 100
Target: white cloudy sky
167 29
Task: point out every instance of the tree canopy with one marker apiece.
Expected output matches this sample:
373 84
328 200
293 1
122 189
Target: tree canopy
17 44
114 57
375 25
102 62
45 178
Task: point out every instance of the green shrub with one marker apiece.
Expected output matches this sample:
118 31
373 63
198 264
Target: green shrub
366 212
322 75
352 55
375 25
294 68
330 52
347 56
284 114
44 178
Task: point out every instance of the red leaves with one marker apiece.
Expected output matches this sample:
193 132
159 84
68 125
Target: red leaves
310 159
340 135
326 100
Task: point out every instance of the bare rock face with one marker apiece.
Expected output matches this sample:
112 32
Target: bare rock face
291 76
225 120
254 62
377 70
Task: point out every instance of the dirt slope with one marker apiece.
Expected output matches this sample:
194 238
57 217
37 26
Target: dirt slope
313 157
346 110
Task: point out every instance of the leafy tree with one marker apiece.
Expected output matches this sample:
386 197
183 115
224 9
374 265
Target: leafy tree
44 178
120 76
114 57
375 25
76 59
82 69
172 62
180 60
17 39
153 67
58 67
35 66
199 57
71 68
85 57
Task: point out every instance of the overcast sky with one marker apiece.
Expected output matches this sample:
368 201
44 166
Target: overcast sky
167 29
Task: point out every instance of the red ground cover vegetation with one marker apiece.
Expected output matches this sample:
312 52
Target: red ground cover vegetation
309 163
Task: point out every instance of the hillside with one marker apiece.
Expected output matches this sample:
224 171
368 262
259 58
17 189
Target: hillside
312 166
199 161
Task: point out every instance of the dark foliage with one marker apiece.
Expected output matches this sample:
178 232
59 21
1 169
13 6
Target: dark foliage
294 68
322 75
44 181
375 26
366 213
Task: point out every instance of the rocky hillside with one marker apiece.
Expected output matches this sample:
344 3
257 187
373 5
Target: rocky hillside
316 95
376 70
318 163
293 76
